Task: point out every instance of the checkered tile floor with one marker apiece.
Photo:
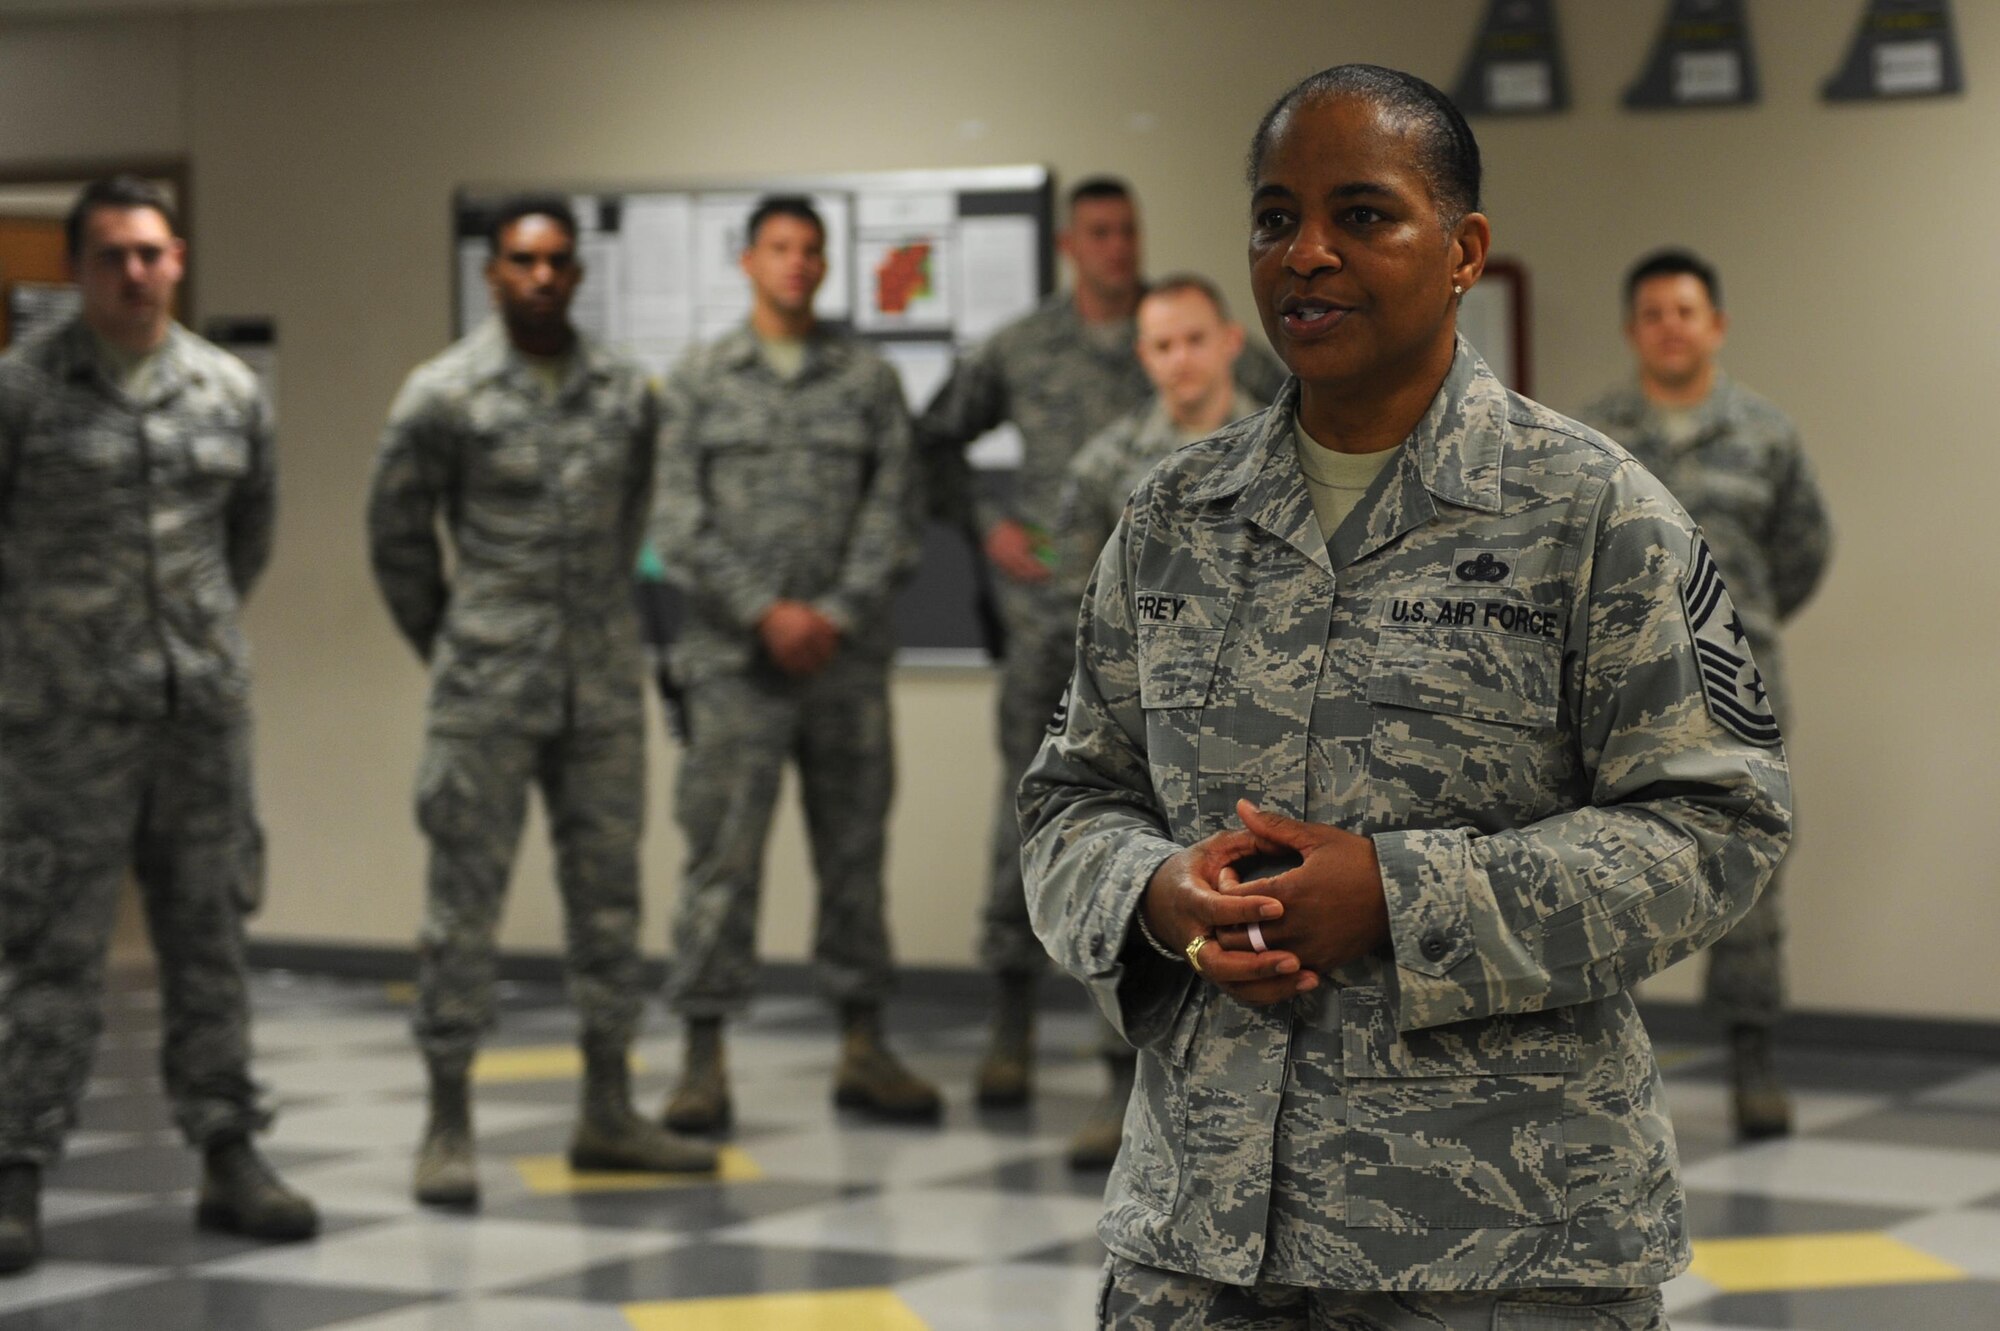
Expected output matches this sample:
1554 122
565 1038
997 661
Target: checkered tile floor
1884 1212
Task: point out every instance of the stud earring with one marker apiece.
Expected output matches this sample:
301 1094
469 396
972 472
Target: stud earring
1457 290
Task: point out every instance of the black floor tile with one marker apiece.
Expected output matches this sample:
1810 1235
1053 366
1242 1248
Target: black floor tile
1971 1305
1876 1072
1046 1115
192 1304
158 1167
1716 1215
1948 1129
132 1062
161 1235
132 1111
155 1167
719 1270
1049 1175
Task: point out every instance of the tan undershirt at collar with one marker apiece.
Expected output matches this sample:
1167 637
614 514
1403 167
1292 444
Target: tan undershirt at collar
1678 425
1337 481
550 372
785 355
132 372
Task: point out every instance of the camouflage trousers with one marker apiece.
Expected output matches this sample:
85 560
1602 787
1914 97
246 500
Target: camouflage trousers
472 796
1142 1298
743 727
1033 674
80 799
1746 967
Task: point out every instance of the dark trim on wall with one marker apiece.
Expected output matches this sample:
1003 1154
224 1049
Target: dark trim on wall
1667 1020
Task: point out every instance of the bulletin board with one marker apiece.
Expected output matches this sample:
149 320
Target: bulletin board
922 264
1494 318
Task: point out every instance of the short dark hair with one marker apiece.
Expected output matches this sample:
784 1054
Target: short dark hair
1449 153
1673 262
115 192
1096 187
1173 284
782 205
511 210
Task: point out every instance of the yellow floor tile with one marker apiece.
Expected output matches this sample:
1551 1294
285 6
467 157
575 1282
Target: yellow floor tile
551 1176
555 1062
1815 1261
840 1310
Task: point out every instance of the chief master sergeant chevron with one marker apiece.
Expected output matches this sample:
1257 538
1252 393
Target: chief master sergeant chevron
1403 1082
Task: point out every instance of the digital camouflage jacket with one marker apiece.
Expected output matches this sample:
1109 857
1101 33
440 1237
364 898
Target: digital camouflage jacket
1499 668
130 532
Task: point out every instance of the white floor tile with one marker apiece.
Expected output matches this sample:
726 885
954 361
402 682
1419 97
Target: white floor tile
889 1156
1852 1172
60 1205
963 1223
378 1125
1685 1291
1981 1090
445 1255
1969 1240
379 1184
495 1315
316 1032
1708 1104
345 1075
1006 1296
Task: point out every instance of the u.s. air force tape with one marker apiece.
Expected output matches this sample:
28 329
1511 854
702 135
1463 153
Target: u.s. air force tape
1730 681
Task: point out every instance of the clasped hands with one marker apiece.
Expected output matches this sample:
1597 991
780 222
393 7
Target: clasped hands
1314 918
800 639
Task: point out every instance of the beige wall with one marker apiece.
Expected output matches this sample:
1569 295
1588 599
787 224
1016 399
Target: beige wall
1855 243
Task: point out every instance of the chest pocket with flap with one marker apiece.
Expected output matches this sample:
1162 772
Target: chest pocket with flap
1467 728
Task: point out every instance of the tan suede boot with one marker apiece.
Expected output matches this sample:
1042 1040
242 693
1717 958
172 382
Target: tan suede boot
700 1104
1006 1073
610 1135
873 1080
446 1173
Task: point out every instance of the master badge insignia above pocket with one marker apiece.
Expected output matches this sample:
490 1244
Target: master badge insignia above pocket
1481 568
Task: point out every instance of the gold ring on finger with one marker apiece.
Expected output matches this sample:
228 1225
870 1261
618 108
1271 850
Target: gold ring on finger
1194 947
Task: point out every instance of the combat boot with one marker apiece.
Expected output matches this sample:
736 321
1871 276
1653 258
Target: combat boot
610 1135
241 1194
1006 1073
1096 1143
1762 1107
700 1104
20 1217
447 1173
872 1079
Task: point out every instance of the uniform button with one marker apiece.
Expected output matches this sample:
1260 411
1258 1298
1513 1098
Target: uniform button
1435 946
